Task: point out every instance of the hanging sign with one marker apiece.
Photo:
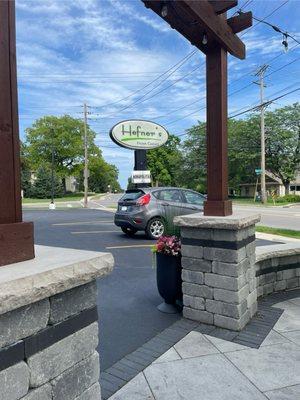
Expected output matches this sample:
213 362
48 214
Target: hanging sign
141 177
139 134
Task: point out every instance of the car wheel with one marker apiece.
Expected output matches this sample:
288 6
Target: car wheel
129 231
155 228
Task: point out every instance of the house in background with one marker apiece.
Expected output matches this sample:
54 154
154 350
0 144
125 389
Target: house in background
71 184
273 185
295 185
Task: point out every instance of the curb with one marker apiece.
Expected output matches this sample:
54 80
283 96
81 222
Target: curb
276 238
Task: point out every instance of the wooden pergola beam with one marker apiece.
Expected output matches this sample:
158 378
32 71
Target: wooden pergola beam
240 22
193 33
215 26
221 6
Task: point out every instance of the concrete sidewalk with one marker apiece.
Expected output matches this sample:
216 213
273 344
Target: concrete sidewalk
205 367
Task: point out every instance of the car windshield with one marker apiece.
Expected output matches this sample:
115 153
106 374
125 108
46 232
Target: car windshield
132 195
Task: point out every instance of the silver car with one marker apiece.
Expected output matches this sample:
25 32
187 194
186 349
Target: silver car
147 209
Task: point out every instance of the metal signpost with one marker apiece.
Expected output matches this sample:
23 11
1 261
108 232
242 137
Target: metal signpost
205 25
140 136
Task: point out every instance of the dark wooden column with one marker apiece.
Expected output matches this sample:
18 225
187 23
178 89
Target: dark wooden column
16 237
217 162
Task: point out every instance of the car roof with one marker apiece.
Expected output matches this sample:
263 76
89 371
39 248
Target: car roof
151 189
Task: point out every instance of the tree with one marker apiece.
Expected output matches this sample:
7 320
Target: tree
26 184
164 163
282 149
243 150
66 135
102 175
192 171
283 143
42 187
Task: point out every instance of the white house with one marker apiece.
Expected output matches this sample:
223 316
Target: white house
273 184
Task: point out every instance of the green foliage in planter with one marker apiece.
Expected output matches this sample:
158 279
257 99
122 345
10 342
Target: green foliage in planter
171 228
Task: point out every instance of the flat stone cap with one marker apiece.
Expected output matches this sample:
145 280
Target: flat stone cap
238 220
277 250
53 270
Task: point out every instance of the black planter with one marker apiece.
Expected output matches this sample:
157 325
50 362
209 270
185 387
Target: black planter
169 282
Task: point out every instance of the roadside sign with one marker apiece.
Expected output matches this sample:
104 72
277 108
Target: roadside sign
139 135
258 171
141 177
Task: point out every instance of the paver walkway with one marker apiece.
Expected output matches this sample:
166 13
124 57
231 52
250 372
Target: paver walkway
203 366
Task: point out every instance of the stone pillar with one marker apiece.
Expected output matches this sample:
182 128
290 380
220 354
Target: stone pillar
218 257
49 326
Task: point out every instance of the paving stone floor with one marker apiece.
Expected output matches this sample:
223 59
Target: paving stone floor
202 362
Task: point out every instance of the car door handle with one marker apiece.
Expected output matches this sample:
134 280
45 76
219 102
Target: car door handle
165 204
194 208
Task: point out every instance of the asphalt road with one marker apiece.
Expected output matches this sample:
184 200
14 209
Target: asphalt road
127 298
277 217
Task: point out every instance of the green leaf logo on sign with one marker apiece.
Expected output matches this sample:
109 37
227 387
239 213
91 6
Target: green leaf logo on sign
139 134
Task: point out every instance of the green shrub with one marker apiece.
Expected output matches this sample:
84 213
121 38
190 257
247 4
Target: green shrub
288 198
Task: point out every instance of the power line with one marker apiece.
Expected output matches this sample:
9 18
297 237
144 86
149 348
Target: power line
190 54
255 108
155 94
235 92
142 98
177 65
265 103
264 18
284 33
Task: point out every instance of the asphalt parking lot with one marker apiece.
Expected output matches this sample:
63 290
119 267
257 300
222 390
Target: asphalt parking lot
128 298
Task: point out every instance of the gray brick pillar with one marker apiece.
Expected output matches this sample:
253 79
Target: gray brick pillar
218 257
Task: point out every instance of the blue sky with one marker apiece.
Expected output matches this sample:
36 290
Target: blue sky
102 51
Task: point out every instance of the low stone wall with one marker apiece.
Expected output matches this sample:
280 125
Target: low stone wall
48 346
277 268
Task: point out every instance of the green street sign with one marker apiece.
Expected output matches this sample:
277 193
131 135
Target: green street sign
258 171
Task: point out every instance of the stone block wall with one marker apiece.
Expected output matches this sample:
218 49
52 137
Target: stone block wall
276 272
48 348
219 284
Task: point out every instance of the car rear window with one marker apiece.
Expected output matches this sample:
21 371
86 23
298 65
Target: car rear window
132 195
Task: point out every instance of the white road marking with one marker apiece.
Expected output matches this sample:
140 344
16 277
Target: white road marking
129 246
91 232
84 223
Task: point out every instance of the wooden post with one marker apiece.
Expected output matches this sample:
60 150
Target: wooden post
16 237
217 142
194 19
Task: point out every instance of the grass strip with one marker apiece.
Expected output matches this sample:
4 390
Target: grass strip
278 231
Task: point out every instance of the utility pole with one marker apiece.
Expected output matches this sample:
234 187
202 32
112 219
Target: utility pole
52 204
85 174
260 73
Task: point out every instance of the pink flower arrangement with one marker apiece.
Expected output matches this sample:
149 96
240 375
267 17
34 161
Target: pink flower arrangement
169 245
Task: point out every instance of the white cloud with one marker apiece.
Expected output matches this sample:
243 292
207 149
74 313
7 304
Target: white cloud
124 9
